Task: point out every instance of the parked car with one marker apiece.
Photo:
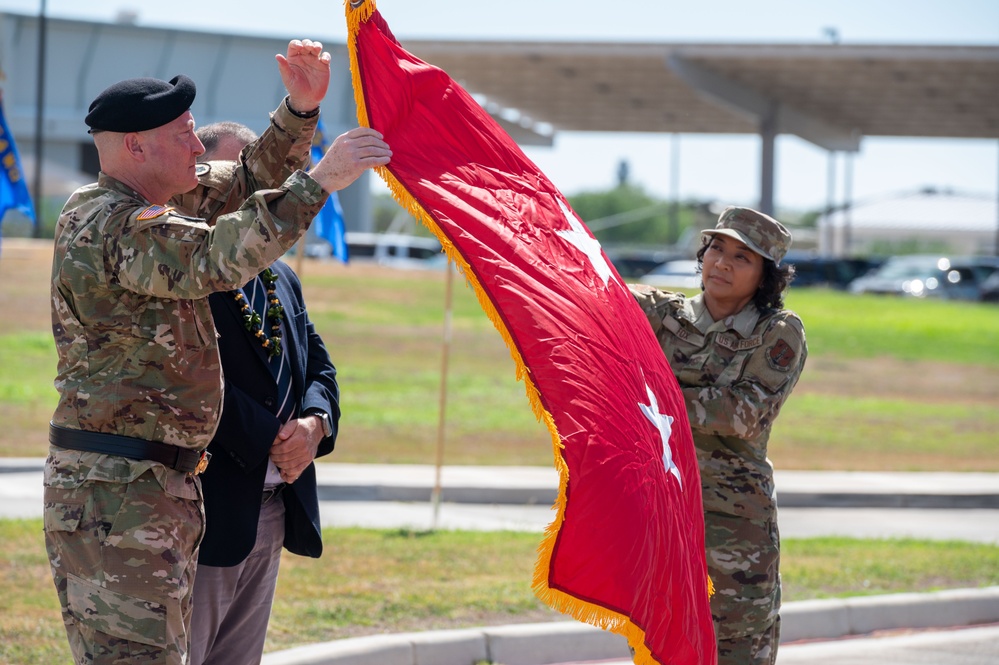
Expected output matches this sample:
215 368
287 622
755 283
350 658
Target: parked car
984 266
396 250
392 249
633 263
680 274
826 271
923 276
990 288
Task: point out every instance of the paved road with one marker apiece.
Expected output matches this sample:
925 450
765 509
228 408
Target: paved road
934 524
968 646
863 505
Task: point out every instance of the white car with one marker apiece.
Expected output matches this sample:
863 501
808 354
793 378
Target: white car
680 274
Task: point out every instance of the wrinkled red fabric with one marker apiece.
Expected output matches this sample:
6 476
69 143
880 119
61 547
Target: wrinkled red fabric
632 538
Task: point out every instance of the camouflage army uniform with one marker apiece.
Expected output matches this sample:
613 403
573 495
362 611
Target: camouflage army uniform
735 374
138 357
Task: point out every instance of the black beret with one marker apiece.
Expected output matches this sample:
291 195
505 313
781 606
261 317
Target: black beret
138 104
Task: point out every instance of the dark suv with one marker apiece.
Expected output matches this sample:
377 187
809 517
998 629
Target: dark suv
831 272
924 276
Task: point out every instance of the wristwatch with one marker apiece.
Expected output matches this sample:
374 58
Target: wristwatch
324 418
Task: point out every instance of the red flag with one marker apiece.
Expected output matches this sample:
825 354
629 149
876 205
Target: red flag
626 550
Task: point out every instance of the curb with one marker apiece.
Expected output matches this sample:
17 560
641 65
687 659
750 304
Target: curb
539 486
567 641
861 615
520 644
414 493
542 496
870 500
22 464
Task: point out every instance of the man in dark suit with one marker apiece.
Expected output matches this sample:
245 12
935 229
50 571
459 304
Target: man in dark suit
280 412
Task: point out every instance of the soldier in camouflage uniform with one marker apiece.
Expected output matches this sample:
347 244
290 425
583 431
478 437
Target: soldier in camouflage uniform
139 378
737 354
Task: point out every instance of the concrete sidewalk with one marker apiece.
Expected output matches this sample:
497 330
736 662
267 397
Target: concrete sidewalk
938 506
539 485
530 485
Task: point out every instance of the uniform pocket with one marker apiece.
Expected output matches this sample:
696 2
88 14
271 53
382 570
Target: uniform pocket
173 325
63 510
116 614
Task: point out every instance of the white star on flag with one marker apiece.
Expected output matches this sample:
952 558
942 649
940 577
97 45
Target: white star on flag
584 242
664 424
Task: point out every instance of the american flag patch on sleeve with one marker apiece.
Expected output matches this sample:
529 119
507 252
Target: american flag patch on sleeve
152 212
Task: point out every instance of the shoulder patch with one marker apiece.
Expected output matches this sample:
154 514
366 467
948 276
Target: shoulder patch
202 169
152 212
780 356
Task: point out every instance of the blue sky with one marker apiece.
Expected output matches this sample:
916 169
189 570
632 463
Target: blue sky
711 167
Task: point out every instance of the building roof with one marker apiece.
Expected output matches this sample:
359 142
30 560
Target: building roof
927 210
830 94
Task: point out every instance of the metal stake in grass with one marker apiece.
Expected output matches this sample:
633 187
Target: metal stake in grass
435 496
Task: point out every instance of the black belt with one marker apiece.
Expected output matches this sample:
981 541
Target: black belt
271 493
175 457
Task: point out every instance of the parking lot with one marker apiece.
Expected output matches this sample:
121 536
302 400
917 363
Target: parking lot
967 278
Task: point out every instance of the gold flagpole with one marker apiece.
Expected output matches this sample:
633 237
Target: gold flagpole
300 257
435 497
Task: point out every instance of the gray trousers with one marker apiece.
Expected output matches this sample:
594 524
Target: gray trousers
233 605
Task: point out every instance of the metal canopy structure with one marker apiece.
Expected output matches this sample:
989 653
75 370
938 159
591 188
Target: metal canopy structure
829 94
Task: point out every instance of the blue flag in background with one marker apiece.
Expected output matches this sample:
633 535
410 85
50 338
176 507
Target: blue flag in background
329 221
13 190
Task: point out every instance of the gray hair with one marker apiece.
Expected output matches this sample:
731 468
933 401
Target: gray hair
216 133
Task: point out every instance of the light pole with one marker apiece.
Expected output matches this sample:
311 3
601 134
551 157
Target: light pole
39 118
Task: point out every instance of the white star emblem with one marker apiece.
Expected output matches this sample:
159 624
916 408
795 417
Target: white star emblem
664 424
579 238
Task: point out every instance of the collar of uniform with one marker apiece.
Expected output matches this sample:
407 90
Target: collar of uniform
744 323
108 182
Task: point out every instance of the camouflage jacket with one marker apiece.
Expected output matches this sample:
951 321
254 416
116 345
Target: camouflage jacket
137 350
735 375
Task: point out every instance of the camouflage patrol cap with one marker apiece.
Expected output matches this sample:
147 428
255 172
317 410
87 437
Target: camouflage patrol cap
138 104
761 233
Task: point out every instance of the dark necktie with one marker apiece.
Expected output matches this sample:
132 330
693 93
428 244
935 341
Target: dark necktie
280 364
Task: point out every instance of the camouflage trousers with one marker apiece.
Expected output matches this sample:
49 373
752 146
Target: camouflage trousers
743 559
123 557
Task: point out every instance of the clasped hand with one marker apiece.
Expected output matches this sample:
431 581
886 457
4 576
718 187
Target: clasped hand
295 446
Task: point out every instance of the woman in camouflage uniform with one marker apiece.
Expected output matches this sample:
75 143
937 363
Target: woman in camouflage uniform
737 354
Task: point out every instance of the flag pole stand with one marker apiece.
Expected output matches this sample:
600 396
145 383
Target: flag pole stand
435 496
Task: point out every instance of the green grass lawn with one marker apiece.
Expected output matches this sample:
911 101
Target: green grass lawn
890 383
845 325
374 581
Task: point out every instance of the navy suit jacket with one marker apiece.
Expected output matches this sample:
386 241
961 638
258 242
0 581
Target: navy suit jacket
234 481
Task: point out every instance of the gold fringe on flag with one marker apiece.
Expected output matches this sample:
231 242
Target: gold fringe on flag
358 12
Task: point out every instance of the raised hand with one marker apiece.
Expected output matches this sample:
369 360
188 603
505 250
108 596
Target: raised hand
305 71
348 156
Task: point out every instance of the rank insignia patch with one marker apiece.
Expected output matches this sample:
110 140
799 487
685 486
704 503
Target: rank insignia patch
780 355
202 169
